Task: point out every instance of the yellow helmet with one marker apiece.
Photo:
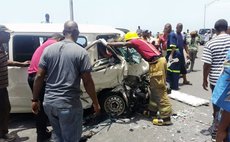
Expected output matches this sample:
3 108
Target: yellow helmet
131 35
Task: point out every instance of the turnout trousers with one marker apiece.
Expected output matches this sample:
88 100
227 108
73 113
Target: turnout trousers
159 100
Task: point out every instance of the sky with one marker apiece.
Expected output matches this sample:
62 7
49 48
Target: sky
148 14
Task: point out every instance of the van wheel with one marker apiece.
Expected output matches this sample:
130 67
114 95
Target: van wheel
113 104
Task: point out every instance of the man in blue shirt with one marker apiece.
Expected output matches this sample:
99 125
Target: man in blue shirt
221 98
173 56
181 44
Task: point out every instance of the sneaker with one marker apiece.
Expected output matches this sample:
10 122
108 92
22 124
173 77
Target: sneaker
44 137
162 122
8 138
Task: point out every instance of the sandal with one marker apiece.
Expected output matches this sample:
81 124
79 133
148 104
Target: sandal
161 122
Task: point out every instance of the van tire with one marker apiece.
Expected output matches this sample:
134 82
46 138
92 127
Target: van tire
113 104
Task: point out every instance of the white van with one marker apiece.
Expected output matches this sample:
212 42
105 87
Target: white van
27 37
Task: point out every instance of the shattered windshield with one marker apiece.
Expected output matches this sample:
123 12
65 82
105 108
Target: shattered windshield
130 54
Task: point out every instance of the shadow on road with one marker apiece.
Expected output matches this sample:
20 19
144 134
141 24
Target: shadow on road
19 123
19 139
22 120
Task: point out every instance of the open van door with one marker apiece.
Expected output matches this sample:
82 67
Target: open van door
22 49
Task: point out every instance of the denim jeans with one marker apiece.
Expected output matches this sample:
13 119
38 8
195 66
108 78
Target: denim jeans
66 122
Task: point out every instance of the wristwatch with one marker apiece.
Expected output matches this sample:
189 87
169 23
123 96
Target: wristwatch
34 100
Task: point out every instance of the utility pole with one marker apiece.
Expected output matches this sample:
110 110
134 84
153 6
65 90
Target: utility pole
71 10
204 15
205 8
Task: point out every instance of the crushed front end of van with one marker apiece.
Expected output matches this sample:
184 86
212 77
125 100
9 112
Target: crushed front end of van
121 81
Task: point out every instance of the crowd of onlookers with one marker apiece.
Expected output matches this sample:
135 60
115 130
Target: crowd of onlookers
216 58
192 39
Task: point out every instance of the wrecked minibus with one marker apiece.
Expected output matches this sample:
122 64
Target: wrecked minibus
116 74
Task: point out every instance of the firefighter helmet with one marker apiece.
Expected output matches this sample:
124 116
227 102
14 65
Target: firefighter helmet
131 35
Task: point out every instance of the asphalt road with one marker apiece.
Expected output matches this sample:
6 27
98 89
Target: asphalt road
190 123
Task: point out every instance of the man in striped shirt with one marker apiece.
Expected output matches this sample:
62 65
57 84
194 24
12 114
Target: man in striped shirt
4 98
214 54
